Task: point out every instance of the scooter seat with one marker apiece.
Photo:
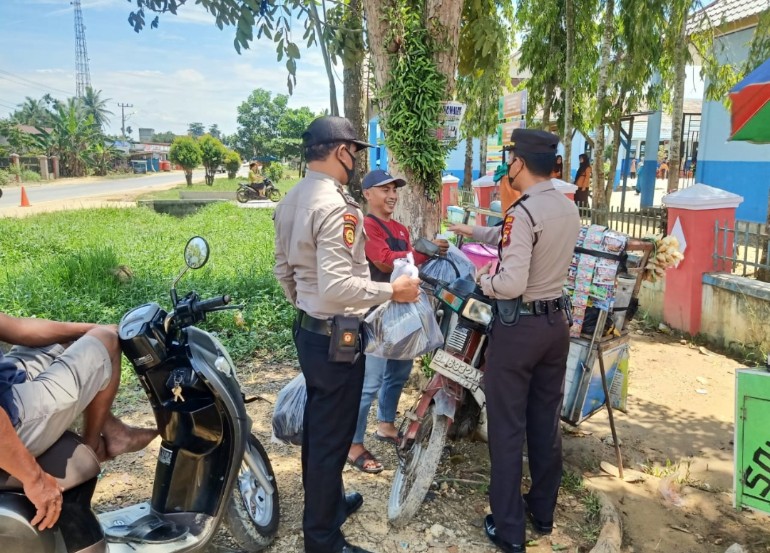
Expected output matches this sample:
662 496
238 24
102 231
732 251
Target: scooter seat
68 460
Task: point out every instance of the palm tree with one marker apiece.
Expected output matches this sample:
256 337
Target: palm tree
95 106
32 112
72 137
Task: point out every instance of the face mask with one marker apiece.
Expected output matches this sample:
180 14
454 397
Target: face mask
350 172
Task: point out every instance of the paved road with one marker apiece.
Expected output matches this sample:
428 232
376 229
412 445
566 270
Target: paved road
58 191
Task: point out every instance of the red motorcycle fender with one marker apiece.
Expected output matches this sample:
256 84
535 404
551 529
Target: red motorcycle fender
445 393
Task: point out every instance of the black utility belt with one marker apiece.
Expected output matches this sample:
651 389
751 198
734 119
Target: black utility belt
344 334
509 311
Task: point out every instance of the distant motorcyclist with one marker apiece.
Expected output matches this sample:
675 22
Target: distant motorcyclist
256 180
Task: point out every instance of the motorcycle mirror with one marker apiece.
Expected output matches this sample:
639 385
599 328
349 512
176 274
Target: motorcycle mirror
426 247
196 252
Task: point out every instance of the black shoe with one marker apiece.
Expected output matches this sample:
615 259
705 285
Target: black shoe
348 548
541 526
489 528
353 502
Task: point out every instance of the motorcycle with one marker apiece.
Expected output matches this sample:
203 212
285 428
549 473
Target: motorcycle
210 469
248 191
453 403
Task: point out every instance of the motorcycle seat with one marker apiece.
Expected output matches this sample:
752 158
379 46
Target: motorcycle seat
68 460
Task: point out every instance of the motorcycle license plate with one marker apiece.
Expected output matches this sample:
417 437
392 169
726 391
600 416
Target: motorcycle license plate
455 369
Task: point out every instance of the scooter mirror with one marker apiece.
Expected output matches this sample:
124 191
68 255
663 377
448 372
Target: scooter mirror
196 252
426 247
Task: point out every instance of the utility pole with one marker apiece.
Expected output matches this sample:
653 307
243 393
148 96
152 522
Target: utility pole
123 118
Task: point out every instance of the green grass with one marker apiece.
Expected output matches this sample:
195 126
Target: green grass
220 184
63 266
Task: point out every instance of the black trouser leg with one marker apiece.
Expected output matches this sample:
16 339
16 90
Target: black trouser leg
546 392
331 411
512 366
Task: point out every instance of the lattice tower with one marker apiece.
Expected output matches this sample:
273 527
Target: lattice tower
82 73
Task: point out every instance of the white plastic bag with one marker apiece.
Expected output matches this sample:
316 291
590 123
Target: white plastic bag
404 266
289 412
402 331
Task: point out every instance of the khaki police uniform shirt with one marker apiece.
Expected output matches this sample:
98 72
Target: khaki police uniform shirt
319 250
536 272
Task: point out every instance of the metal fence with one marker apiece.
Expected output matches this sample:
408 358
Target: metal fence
742 250
637 223
30 163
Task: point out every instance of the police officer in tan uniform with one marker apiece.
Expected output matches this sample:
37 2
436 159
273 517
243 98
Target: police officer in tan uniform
321 265
528 341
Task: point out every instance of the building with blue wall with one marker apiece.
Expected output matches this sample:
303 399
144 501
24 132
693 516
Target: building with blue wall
739 167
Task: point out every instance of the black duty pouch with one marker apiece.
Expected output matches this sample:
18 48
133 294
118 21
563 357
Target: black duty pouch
508 311
345 343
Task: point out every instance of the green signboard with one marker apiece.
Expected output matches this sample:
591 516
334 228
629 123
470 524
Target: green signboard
752 440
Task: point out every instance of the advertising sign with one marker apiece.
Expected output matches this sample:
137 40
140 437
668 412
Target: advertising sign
513 105
449 126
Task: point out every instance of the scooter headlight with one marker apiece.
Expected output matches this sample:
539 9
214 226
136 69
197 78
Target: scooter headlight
478 311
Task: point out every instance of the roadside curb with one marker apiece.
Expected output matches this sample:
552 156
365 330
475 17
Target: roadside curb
611 535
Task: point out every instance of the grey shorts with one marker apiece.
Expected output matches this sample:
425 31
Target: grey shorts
60 384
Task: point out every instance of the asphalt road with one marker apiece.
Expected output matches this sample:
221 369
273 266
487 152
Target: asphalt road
54 191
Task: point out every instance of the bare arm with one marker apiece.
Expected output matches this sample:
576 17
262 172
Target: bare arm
41 488
39 332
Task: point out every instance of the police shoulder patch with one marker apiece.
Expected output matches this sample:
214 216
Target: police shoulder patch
349 223
507 226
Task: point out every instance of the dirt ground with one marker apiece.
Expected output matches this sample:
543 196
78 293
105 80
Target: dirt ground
678 437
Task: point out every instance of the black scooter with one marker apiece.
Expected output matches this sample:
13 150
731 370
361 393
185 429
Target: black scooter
247 192
210 468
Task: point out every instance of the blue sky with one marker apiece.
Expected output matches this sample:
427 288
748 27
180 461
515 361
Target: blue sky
186 70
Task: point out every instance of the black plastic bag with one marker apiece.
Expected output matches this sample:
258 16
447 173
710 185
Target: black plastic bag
289 412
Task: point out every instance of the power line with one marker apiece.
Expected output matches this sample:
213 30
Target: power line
25 81
123 117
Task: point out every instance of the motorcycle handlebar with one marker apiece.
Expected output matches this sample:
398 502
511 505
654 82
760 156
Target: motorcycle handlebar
430 280
212 304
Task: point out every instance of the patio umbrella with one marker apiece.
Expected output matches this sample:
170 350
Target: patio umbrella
750 112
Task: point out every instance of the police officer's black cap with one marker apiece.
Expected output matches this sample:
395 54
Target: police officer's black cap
534 142
328 129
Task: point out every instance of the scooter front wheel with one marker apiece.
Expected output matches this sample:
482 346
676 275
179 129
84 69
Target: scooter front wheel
416 470
252 513
274 195
242 195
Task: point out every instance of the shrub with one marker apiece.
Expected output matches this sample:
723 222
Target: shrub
273 171
185 152
232 163
5 178
213 154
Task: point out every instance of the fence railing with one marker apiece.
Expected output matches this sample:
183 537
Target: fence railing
637 223
30 162
743 249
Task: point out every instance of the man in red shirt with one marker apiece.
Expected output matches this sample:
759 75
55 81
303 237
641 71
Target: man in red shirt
388 240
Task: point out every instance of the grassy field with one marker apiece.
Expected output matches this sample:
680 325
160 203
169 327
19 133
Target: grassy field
220 184
70 266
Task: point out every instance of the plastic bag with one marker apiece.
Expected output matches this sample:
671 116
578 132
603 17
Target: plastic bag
404 266
402 331
289 412
450 267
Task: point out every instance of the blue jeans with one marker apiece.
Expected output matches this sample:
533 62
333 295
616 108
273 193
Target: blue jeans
385 377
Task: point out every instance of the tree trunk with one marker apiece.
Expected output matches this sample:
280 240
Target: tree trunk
547 103
616 125
482 156
333 107
442 18
599 198
569 87
468 170
354 96
675 147
188 176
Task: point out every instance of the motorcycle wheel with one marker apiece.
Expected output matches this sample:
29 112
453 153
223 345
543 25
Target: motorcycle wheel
415 473
274 195
252 514
242 195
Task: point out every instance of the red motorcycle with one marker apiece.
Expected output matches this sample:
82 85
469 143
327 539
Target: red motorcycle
453 403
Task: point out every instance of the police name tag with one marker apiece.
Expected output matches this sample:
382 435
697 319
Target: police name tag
457 370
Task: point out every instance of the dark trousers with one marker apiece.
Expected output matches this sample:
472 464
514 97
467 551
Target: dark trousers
331 411
524 385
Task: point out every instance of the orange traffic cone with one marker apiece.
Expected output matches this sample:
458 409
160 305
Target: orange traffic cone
24 199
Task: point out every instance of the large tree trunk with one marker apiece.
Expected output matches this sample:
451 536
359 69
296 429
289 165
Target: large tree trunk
442 18
468 169
482 156
354 95
599 198
675 147
547 103
569 87
333 107
616 126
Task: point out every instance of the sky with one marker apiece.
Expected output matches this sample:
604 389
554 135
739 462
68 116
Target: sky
184 71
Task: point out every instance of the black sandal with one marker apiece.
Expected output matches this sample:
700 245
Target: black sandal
361 460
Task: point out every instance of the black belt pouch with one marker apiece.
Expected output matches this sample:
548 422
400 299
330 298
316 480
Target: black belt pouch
509 311
345 343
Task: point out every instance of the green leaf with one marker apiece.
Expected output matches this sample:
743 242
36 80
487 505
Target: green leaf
293 51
